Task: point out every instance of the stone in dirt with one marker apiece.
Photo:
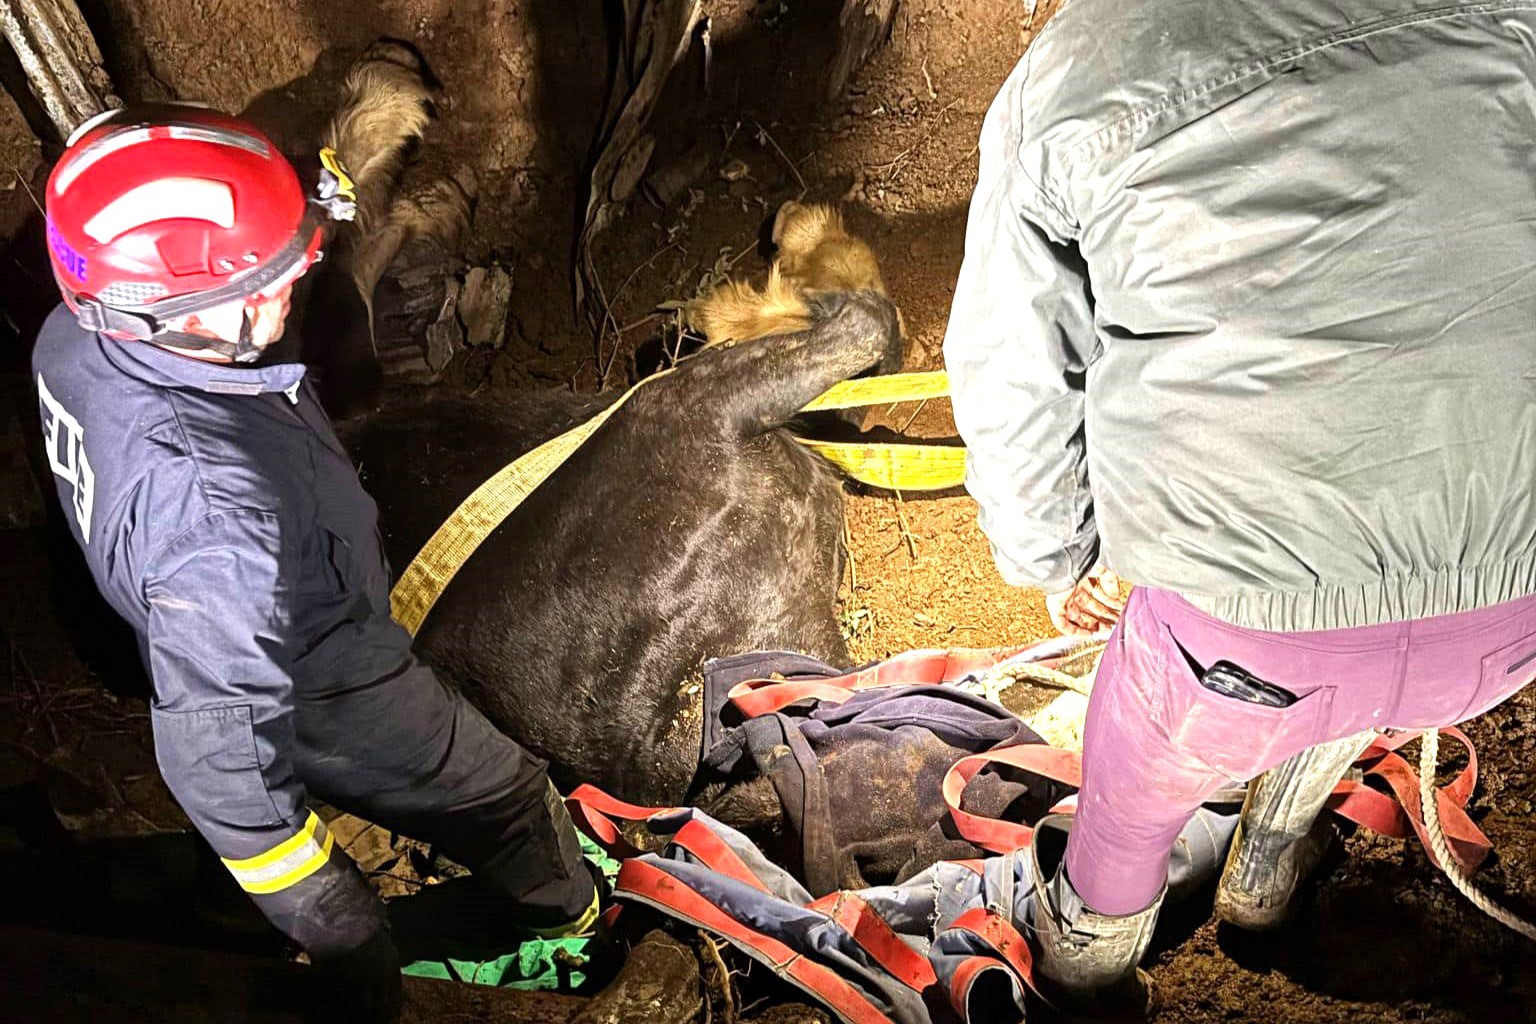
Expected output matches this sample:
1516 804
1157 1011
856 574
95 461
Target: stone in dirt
658 984
483 303
445 337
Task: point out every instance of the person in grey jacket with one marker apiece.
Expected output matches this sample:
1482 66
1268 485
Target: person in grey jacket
1246 316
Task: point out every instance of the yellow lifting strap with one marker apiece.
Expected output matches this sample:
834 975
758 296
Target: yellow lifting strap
895 467
896 387
906 467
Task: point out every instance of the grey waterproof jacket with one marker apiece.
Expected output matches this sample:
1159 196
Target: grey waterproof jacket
1249 303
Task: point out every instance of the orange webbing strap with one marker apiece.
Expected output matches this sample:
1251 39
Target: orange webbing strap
1000 934
755 697
594 812
1397 813
1400 813
1064 766
651 884
713 853
871 931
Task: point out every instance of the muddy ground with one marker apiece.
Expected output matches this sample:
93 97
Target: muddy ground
1385 940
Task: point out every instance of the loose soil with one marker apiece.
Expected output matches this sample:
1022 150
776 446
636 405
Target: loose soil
1384 940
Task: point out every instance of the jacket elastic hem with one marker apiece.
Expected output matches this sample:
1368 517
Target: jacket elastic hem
1392 598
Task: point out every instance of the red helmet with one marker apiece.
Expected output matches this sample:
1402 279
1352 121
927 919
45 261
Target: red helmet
155 212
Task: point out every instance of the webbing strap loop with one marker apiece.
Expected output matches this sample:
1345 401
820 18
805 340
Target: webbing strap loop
1000 935
594 812
756 697
994 834
1399 813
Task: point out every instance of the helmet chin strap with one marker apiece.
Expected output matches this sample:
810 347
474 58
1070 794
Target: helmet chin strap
245 352
242 351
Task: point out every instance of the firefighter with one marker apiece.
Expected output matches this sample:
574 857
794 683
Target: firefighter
1245 313
222 519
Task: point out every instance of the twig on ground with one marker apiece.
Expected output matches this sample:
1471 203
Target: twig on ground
762 134
602 329
649 262
913 418
730 137
727 1004
894 164
933 93
730 264
640 323
853 566
42 700
576 373
608 322
24 184
893 161
613 356
906 528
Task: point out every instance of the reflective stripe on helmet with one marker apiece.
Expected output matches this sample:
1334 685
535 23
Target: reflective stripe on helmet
133 135
167 198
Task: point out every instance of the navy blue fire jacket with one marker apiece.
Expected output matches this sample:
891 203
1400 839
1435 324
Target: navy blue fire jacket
224 521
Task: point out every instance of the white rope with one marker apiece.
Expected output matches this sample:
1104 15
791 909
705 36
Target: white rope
1073 669
1429 756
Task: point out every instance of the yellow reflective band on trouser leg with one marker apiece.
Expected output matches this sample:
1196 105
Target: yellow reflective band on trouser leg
287 863
581 926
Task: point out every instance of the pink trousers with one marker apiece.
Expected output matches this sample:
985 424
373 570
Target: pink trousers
1157 743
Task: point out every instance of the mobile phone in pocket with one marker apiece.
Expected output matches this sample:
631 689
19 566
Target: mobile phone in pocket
1230 680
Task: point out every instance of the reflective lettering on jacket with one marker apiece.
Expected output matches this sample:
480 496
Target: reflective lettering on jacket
65 441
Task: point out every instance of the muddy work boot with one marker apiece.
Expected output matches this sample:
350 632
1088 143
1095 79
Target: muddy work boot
1280 837
1087 959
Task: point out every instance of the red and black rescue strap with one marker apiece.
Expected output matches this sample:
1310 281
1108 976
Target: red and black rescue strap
1398 814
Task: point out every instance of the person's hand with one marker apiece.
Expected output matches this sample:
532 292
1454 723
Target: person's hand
1090 608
